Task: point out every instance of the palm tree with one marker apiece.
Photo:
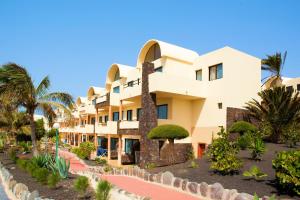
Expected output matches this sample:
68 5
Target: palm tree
274 64
15 79
278 108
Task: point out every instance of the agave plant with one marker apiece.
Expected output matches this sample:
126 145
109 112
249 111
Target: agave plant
63 167
50 163
39 161
255 173
257 148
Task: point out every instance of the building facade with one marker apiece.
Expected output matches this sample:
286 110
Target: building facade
168 85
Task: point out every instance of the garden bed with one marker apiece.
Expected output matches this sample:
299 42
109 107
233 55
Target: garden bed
64 190
203 173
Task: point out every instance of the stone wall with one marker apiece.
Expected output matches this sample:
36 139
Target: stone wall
238 114
181 151
149 148
15 190
201 190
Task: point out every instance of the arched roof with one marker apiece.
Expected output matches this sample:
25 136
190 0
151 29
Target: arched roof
168 50
94 91
123 70
81 100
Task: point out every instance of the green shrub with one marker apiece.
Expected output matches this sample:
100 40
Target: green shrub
41 175
194 164
26 146
12 154
22 164
53 179
242 127
51 133
273 197
30 168
150 165
291 135
81 184
107 168
84 150
101 161
103 189
287 170
39 160
244 141
168 131
257 148
255 173
191 154
223 154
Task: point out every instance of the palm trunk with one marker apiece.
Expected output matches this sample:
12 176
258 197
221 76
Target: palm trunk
33 135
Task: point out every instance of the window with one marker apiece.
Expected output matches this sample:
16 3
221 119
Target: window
130 84
298 87
115 116
220 105
105 118
93 120
162 111
113 143
100 119
289 88
129 115
116 89
138 113
131 145
158 69
199 75
216 72
94 101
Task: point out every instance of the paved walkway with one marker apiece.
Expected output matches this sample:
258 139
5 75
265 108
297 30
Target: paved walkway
133 185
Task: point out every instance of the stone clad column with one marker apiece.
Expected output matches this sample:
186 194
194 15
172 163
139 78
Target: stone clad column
120 150
108 147
149 149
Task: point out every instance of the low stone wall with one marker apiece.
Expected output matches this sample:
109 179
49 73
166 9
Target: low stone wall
202 190
181 151
15 190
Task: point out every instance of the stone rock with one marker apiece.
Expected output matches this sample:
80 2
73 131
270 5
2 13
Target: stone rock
177 182
24 195
226 195
243 196
192 187
203 189
19 188
11 184
33 195
146 176
152 177
167 178
184 184
216 191
125 172
158 177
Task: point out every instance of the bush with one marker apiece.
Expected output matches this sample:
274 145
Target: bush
63 167
39 160
242 127
12 154
26 146
150 165
257 148
194 164
51 133
100 161
287 170
255 173
41 175
168 131
85 149
107 168
223 155
291 136
244 141
81 184
53 179
103 189
22 164
30 168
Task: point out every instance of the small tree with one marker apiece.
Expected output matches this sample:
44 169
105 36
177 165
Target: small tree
242 127
169 132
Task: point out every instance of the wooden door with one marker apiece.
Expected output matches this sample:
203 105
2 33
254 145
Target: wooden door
201 149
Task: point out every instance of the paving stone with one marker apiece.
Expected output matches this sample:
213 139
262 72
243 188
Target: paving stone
152 177
158 177
19 188
167 178
177 182
216 191
184 184
11 184
193 187
24 195
203 189
243 196
33 195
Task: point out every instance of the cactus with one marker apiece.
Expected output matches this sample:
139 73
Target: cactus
63 167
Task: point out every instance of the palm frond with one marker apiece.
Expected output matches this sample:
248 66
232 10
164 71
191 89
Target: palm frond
43 87
61 97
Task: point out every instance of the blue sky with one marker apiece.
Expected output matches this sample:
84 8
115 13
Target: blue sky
78 38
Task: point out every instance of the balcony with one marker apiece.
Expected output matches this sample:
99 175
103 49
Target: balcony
132 89
164 83
87 109
103 100
129 125
109 128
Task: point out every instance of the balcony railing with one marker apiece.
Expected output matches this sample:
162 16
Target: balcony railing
129 125
132 89
109 128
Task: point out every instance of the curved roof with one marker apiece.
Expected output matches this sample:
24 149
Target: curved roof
168 50
123 70
94 91
81 100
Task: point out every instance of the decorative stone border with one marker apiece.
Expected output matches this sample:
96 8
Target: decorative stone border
202 190
15 190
